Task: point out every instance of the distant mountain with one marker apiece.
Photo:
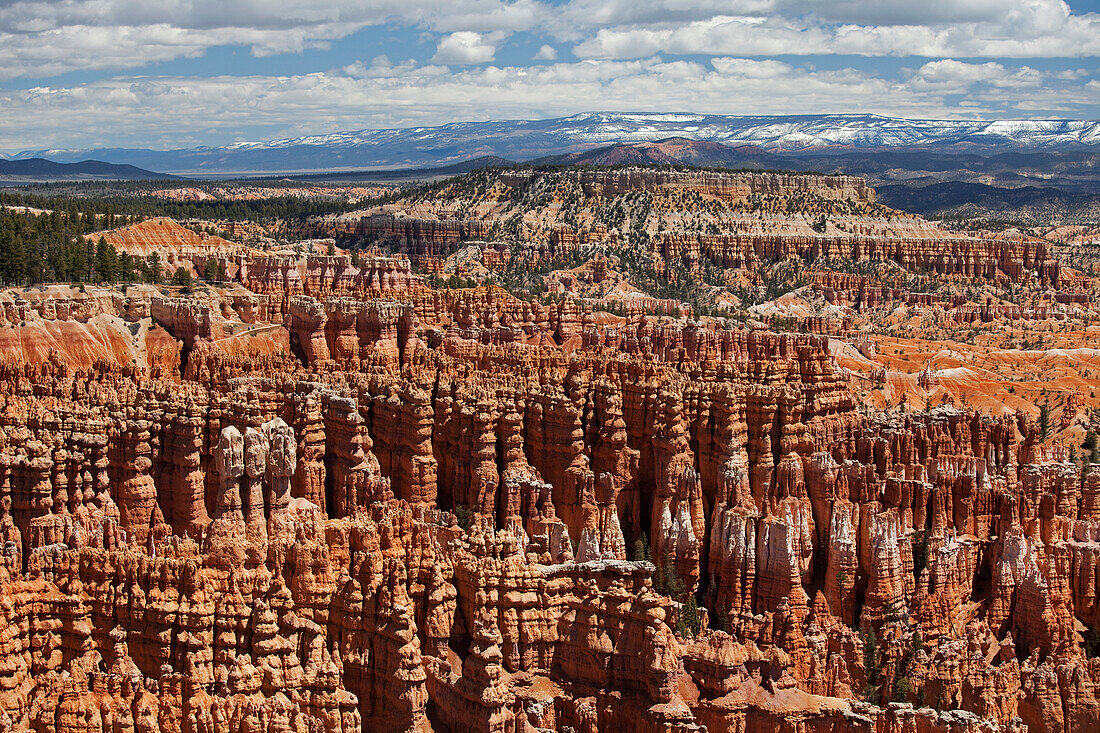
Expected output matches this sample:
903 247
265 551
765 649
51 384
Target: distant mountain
526 139
40 169
1030 204
1076 170
406 174
672 151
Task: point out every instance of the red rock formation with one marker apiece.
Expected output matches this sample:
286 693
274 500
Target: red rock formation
166 238
423 522
968 258
732 185
319 276
390 617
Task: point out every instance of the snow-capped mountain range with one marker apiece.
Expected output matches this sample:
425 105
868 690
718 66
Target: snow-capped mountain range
527 139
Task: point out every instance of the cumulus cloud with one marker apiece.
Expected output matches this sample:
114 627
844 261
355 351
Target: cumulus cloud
1023 29
465 47
147 112
694 55
40 38
949 74
43 38
381 67
906 12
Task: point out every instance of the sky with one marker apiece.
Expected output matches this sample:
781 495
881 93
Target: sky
167 74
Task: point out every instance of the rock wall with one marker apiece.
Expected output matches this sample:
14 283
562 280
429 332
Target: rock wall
320 276
733 185
420 237
1012 259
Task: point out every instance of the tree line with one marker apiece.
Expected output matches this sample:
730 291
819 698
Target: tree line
51 247
75 198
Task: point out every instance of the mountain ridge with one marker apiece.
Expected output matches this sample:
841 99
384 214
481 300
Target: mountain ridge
41 169
455 142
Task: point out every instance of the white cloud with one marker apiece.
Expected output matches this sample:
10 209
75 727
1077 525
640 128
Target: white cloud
465 47
41 38
948 75
1004 29
381 67
964 45
176 112
906 12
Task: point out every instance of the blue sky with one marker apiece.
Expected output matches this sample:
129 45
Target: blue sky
177 73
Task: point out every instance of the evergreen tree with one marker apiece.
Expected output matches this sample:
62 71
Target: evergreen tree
1092 445
106 260
182 278
1044 419
7 251
687 621
870 665
126 267
903 687
156 272
213 271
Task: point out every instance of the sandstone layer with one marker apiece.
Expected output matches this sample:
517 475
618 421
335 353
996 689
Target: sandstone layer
426 524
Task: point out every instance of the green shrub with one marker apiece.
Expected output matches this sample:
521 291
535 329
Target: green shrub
464 515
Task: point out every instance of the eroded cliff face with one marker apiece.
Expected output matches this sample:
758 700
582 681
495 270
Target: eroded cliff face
731 185
717 225
167 238
323 496
456 510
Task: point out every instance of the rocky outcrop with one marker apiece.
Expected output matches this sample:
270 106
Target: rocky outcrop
733 185
350 332
167 239
419 238
390 551
969 258
319 276
187 319
707 223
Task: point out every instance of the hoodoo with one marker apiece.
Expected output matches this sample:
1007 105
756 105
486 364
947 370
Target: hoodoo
574 450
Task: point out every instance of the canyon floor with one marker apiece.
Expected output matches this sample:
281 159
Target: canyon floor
547 449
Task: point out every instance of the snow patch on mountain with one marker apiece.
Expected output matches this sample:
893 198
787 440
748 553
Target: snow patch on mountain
779 133
528 139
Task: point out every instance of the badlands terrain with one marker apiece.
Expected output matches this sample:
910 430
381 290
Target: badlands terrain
583 449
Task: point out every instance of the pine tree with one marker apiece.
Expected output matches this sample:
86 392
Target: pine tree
1044 420
12 251
182 277
155 271
1092 445
871 665
125 266
214 270
106 260
670 581
687 621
